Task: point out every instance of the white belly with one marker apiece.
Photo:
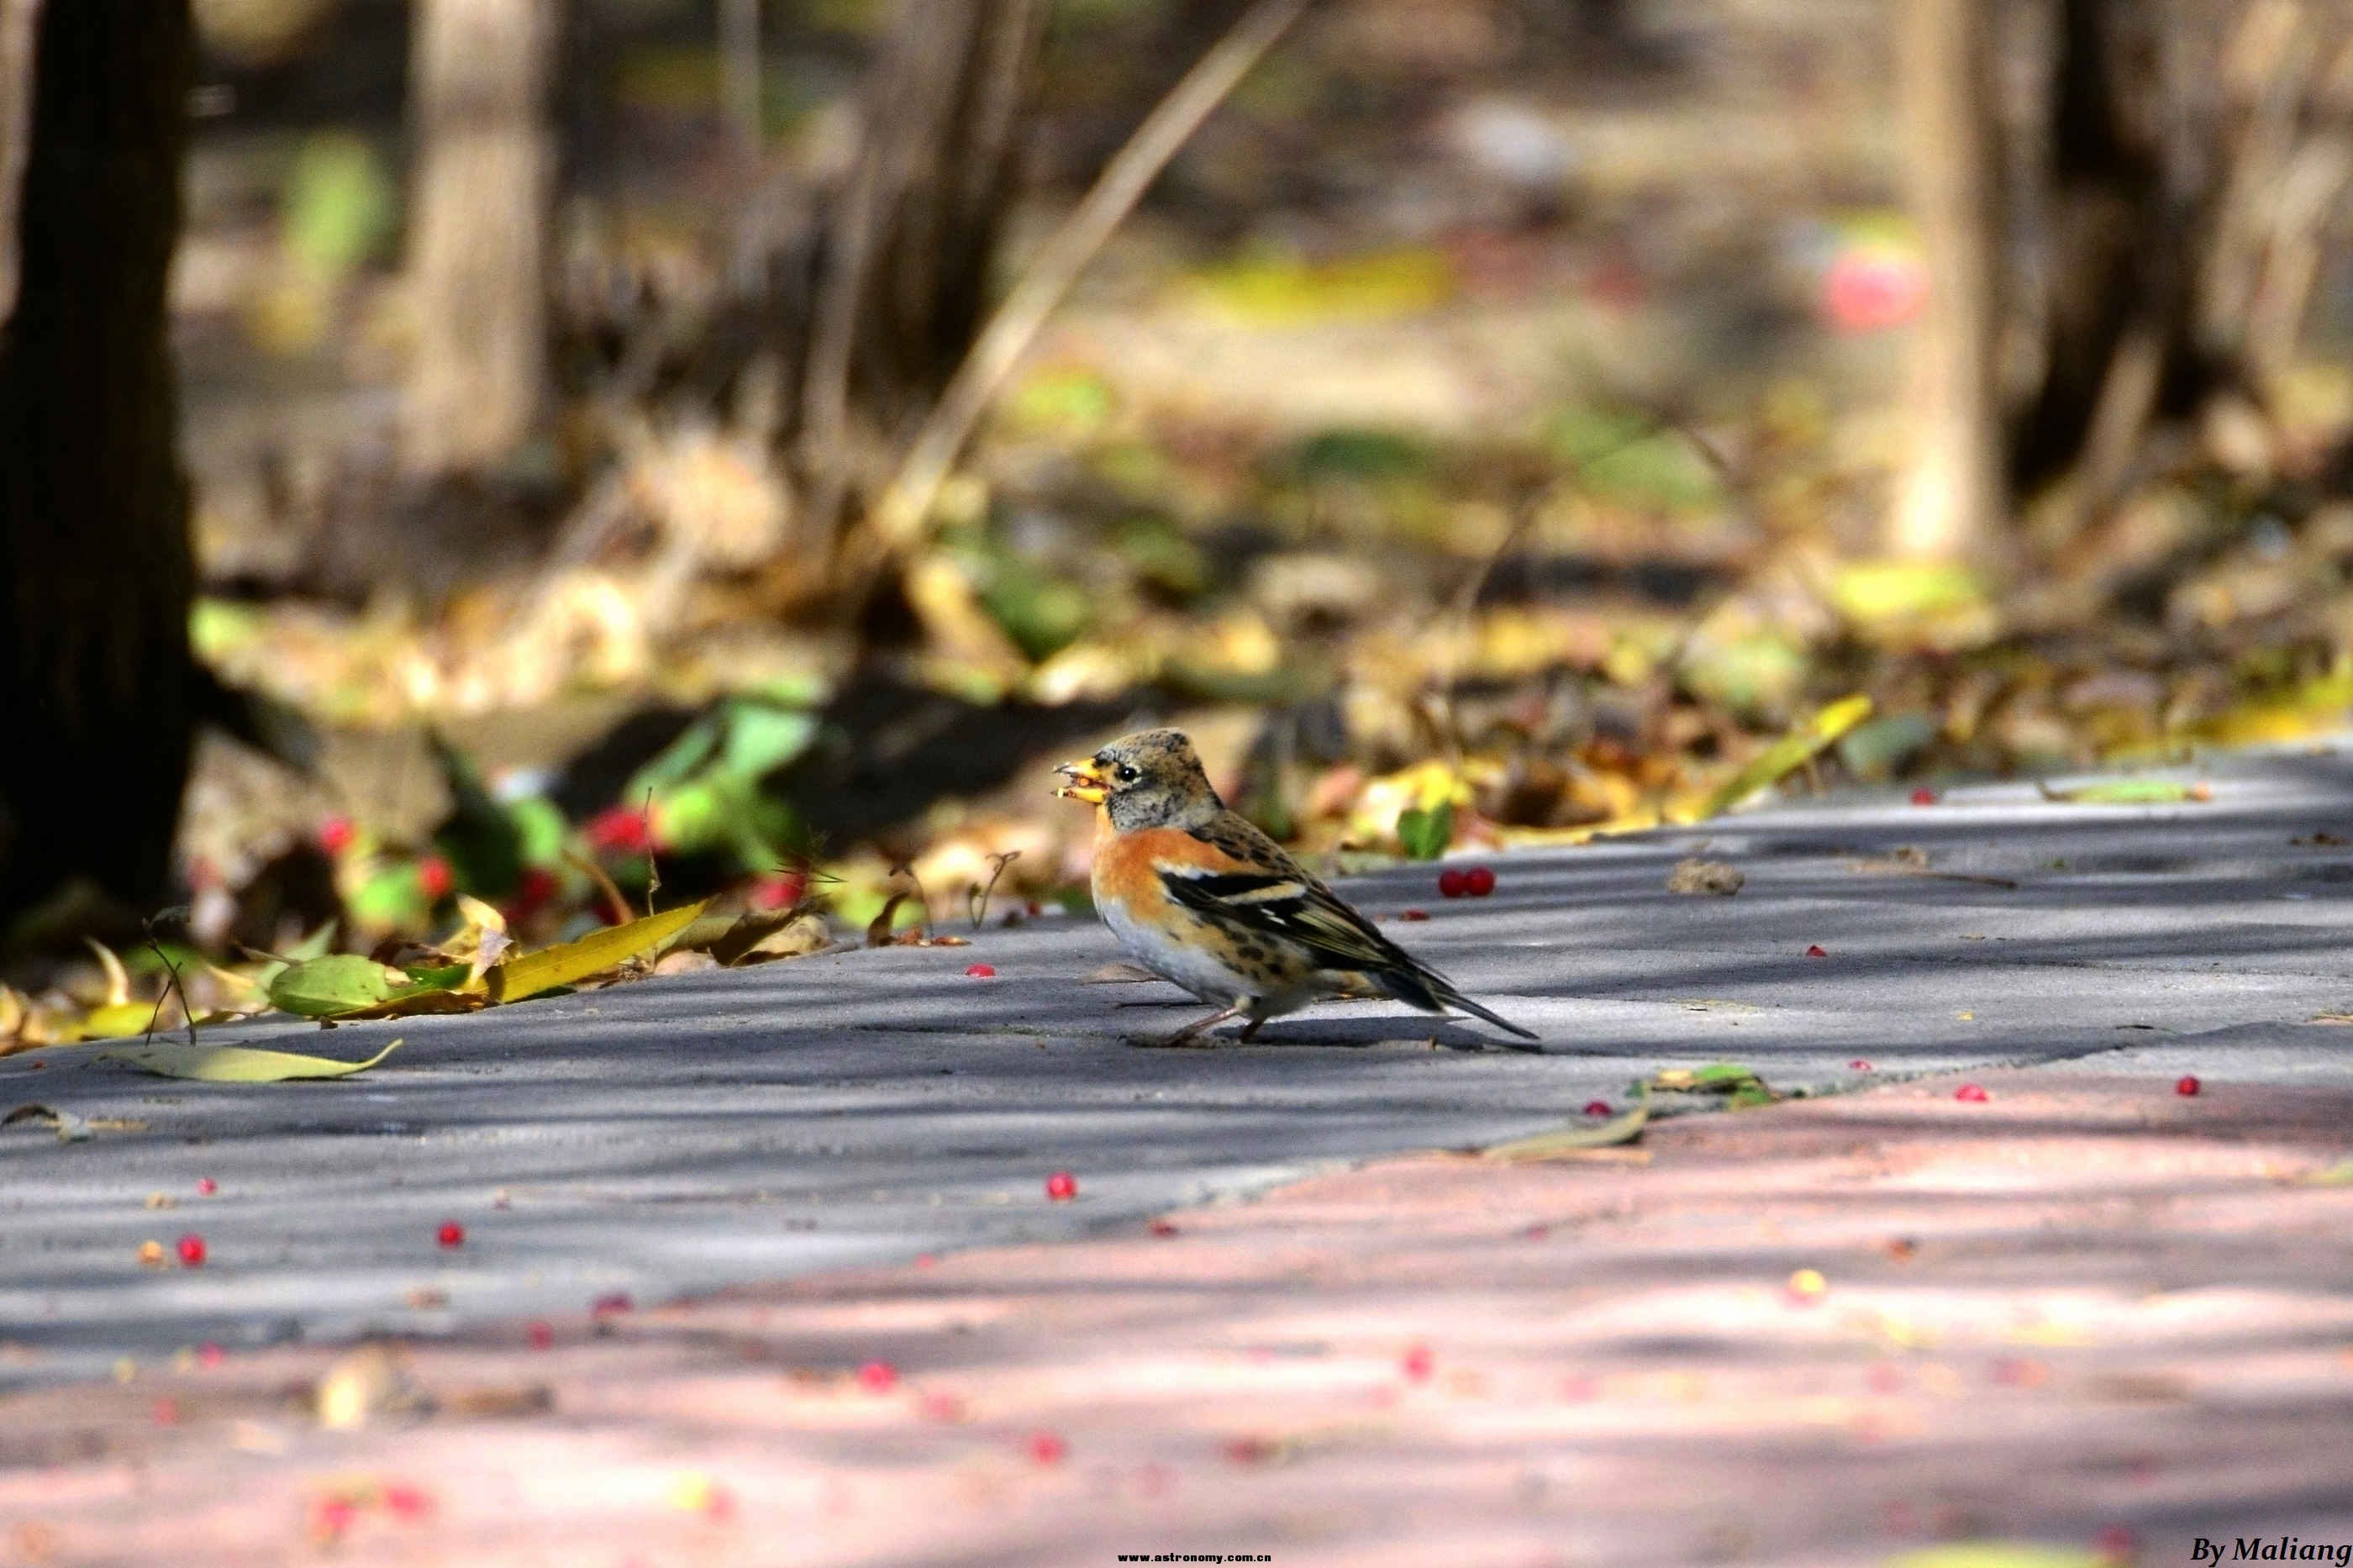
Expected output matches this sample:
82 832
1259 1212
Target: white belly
1194 968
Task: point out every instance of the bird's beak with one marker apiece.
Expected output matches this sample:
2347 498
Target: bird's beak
1084 783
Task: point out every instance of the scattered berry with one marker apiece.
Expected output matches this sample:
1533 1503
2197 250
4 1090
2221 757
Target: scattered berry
166 1412
1479 881
2187 1084
533 892
1249 1450
1062 1186
1162 1228
1413 914
1535 1232
330 1517
1048 1447
542 1335
1972 1094
336 833
433 875
981 971
1453 883
778 892
206 1186
927 1260
1860 1064
2117 1544
878 1377
940 1405
407 1502
191 1251
1597 1108
1419 1364
210 1354
150 1254
451 1234
1923 795
1816 950
610 1304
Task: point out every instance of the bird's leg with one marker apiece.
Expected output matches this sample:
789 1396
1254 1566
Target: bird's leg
1252 1027
1190 1034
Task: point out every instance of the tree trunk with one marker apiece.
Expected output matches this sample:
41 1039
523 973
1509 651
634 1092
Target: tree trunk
95 568
1950 504
477 254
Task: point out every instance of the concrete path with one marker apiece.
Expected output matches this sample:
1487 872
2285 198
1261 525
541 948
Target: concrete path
684 1134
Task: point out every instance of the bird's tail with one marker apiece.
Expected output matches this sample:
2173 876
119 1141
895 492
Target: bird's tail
1419 986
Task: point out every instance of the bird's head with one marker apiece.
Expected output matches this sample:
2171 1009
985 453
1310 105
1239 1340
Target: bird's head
1149 779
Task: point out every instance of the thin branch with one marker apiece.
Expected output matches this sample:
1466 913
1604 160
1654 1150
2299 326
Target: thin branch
904 510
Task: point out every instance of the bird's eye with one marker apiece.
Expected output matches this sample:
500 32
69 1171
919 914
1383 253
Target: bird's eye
1127 773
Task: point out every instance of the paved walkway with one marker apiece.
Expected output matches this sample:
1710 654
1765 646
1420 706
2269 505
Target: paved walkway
2152 1254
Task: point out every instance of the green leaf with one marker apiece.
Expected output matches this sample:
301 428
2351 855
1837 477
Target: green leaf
237 1064
322 988
2001 1554
567 964
676 763
1426 834
1623 1128
1791 752
762 739
2130 791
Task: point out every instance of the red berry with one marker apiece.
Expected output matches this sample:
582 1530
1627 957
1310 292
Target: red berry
619 830
1971 1093
451 1234
206 1186
433 875
336 833
1164 1229
1062 1186
611 1302
405 1501
537 886
1479 881
542 1335
191 1251
2187 1084
1860 1064
981 971
166 1412
1249 1450
938 1406
927 1260
1597 1108
210 1354
2117 1544
1048 1448
780 891
1453 883
331 1516
1923 795
878 1377
1413 914
1418 1363
1816 950
1535 1232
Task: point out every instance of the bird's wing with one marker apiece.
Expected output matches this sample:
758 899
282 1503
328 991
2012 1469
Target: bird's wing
1291 904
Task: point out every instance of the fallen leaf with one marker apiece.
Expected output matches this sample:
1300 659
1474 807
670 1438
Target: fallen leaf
237 1064
2129 792
1623 1128
334 985
2001 1554
1698 875
1788 755
71 1129
361 1384
567 964
1119 972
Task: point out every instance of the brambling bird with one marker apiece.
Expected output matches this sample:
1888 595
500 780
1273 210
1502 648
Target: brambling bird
1200 896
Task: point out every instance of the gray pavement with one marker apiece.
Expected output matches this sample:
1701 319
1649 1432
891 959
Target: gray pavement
680 1134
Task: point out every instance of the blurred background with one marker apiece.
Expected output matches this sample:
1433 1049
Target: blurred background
516 449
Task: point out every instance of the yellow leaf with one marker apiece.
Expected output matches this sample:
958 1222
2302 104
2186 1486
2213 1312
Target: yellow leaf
115 1020
2001 1554
237 1064
1791 752
1623 1128
569 962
